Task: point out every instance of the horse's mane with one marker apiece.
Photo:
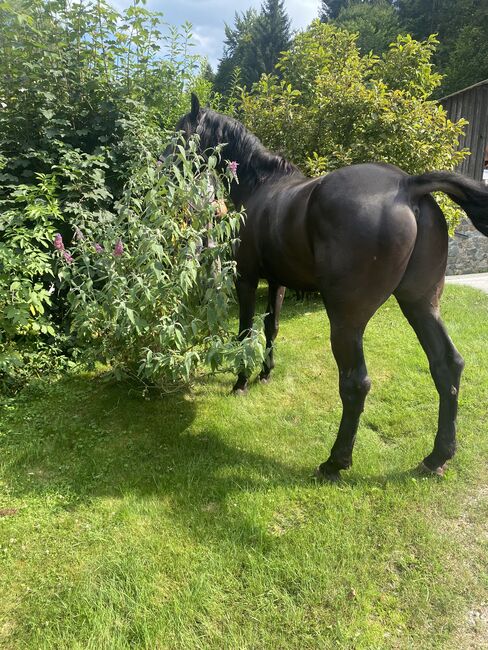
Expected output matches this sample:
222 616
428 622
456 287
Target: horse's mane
256 163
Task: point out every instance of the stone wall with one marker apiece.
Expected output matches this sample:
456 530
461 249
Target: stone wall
468 251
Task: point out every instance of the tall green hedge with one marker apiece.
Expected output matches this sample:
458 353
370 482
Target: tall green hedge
86 95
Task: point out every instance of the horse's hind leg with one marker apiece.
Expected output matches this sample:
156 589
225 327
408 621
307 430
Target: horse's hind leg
276 293
446 366
354 385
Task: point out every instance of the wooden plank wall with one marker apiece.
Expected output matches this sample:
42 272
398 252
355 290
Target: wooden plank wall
472 104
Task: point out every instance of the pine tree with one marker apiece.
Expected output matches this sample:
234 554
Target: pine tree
207 73
331 9
272 35
253 45
239 50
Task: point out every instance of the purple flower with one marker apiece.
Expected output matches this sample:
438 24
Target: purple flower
68 258
58 242
233 167
78 234
119 248
98 248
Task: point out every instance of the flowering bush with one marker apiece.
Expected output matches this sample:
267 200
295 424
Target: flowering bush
151 290
27 226
25 260
86 91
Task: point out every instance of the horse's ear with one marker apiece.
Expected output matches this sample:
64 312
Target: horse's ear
195 106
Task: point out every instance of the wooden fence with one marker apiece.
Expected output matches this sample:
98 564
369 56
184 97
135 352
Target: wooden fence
472 104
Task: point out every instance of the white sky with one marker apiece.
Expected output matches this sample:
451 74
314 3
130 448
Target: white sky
208 18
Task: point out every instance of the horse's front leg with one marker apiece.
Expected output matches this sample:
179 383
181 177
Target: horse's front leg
276 294
246 296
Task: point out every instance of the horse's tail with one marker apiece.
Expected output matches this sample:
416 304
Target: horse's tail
470 195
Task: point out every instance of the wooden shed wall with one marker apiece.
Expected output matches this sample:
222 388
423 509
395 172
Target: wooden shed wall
472 104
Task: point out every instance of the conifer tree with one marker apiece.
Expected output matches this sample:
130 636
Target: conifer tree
239 51
330 9
253 45
272 35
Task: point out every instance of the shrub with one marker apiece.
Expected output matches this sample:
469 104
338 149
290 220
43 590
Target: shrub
151 290
28 324
86 93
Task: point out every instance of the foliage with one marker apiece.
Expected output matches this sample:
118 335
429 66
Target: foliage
330 9
74 74
424 17
407 66
468 59
151 290
253 45
460 26
334 107
376 23
27 285
86 93
238 51
272 34
229 101
25 259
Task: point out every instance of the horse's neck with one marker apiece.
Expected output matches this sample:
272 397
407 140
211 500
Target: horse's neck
254 174
240 193
256 166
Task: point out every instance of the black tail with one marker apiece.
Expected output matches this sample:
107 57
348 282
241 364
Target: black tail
470 195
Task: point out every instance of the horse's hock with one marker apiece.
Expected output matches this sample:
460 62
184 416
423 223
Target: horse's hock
468 251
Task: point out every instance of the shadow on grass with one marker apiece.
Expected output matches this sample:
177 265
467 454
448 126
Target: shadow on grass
293 305
83 439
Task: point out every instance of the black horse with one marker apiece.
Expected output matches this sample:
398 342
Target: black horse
357 235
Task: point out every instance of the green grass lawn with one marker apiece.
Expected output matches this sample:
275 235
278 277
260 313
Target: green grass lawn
192 521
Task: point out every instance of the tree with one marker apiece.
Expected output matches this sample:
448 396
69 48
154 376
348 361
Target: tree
421 17
272 34
334 107
207 72
459 27
253 45
468 60
330 9
239 51
376 22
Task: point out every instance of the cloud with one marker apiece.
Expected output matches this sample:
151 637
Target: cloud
302 12
208 42
209 16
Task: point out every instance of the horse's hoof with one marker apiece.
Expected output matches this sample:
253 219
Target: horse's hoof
239 392
322 475
424 470
265 379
